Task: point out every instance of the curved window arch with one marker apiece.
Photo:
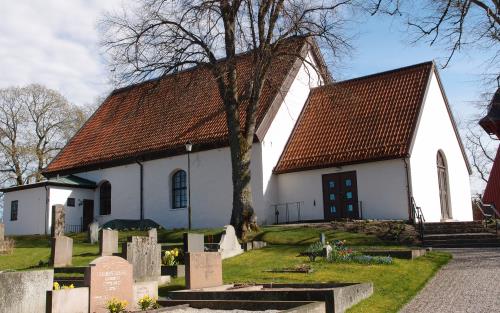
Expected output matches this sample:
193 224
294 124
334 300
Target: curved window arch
444 188
105 198
179 190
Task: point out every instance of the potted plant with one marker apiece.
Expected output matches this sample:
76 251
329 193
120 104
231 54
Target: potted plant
172 266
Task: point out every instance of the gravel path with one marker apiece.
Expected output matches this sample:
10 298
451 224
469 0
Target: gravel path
470 282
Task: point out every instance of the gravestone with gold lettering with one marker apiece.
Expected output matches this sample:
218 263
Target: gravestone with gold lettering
108 277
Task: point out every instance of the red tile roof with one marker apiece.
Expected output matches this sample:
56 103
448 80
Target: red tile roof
156 118
364 119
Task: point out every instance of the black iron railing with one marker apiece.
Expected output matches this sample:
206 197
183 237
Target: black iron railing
287 212
489 213
418 218
72 228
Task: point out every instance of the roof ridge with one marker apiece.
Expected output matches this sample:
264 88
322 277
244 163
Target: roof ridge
374 75
186 70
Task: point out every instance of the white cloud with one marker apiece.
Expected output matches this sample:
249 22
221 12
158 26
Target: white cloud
55 43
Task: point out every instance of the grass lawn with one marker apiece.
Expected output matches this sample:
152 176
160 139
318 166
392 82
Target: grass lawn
394 284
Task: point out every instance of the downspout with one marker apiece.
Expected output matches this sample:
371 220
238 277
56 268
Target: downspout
141 205
46 208
409 191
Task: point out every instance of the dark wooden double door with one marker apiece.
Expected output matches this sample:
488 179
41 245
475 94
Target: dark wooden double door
340 196
88 213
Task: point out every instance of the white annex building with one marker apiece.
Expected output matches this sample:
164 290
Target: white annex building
366 148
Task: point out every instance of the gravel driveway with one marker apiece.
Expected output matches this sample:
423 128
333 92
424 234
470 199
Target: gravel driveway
470 282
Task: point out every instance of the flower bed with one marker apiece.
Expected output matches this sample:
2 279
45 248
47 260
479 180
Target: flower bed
339 252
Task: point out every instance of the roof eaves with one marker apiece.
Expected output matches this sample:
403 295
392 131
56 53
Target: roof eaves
454 124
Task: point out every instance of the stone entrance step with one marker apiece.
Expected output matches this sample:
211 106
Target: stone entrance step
454 228
458 234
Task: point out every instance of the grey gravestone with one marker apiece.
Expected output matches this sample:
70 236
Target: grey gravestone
61 252
58 217
144 288
153 234
259 244
25 292
108 242
2 232
194 242
93 232
322 238
229 245
203 269
145 256
71 300
108 277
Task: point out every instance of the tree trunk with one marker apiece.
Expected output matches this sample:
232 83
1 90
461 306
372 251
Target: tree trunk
242 192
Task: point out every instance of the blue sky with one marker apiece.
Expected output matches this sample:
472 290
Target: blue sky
55 42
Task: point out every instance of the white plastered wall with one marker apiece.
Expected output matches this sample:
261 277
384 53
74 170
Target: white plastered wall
211 189
278 133
60 195
382 189
435 132
31 215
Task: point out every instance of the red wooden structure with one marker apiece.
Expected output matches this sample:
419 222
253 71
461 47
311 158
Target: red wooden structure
491 124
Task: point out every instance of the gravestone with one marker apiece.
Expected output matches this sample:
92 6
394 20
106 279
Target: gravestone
108 277
193 242
25 292
322 238
2 232
145 256
61 252
108 242
229 245
71 300
153 234
145 288
93 232
203 269
58 217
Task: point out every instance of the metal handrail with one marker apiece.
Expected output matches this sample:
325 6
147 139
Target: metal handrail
488 217
418 218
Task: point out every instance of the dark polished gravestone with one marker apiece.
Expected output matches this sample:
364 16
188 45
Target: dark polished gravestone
108 277
145 256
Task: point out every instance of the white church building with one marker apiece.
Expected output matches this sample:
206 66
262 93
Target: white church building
365 148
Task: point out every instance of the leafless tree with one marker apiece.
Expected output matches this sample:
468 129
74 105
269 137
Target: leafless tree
35 123
481 149
14 153
455 23
160 37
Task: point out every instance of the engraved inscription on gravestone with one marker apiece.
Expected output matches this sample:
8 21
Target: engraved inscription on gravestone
108 277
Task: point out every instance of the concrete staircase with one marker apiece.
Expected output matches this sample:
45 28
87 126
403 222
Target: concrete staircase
459 235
